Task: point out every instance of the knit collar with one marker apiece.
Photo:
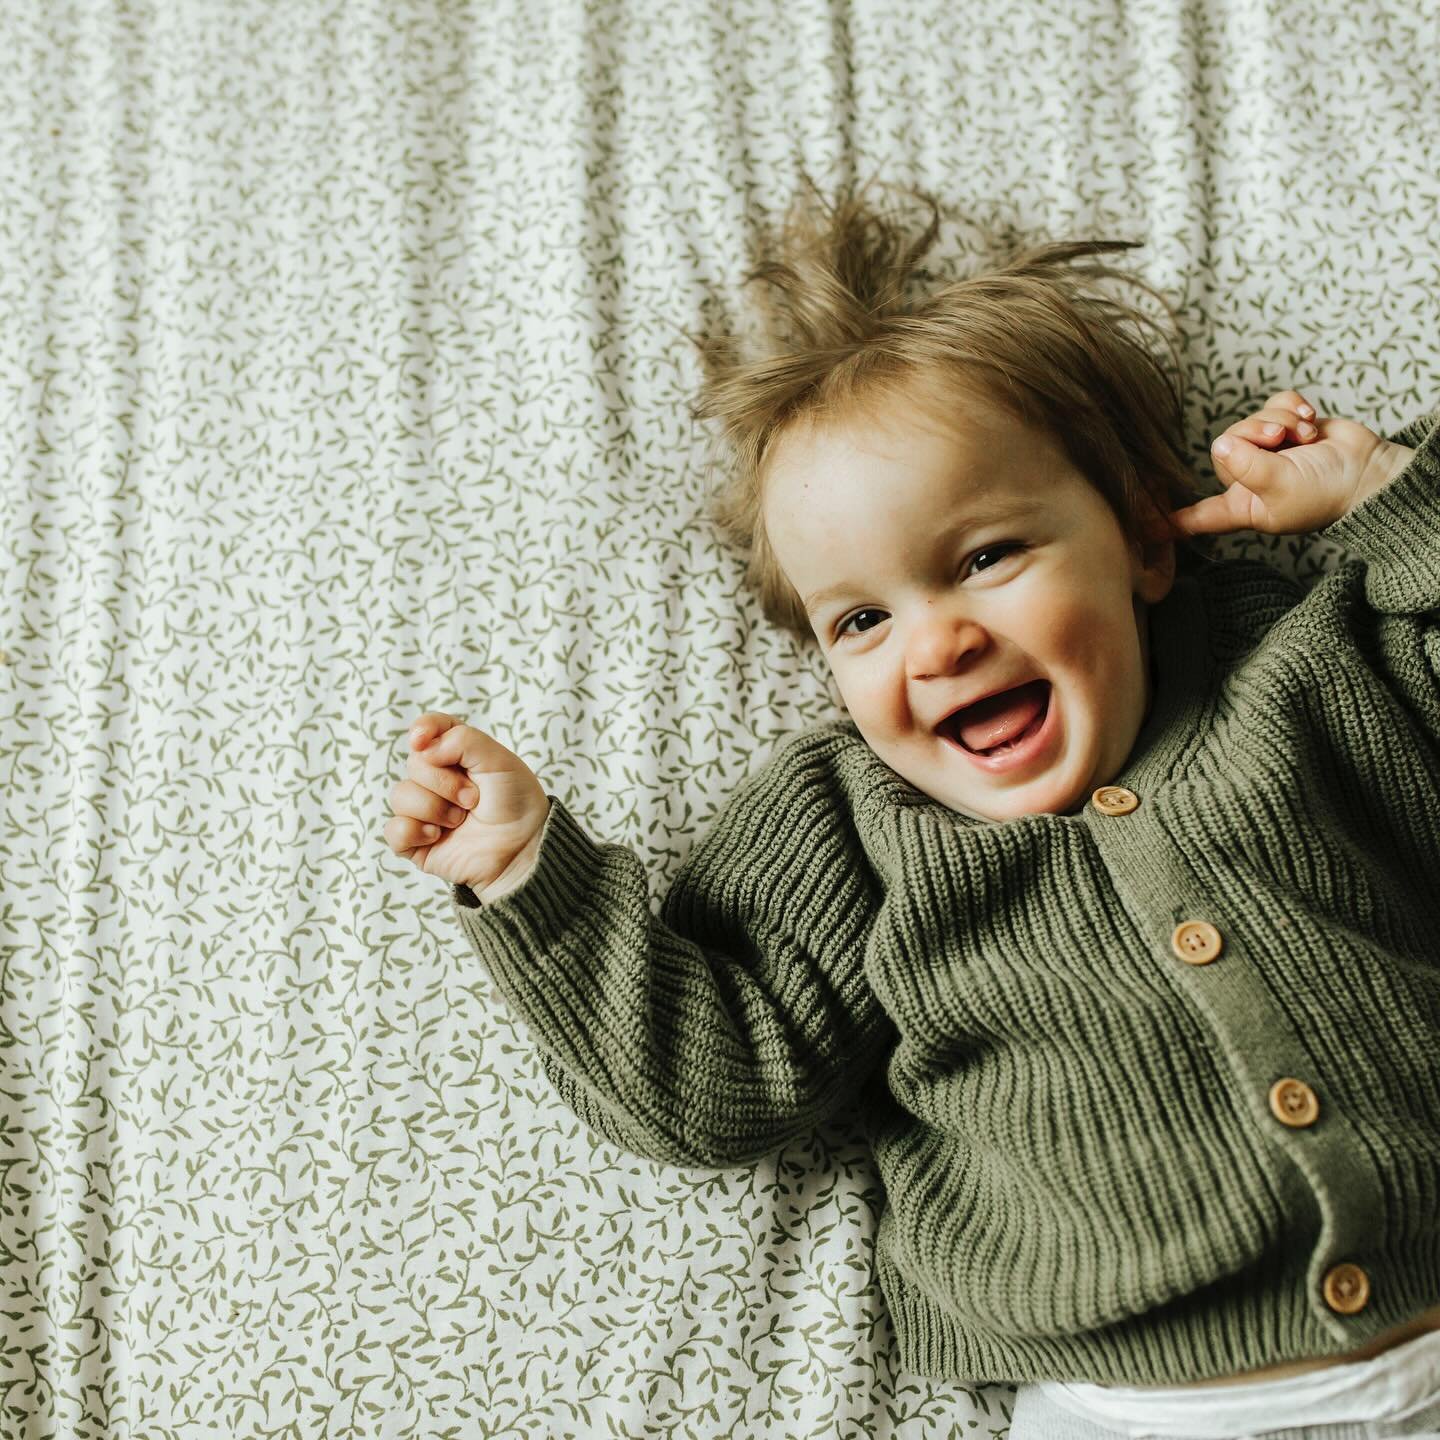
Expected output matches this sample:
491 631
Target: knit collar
1180 653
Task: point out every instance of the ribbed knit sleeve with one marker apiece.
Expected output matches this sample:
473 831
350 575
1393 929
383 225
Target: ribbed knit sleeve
736 1019
1396 532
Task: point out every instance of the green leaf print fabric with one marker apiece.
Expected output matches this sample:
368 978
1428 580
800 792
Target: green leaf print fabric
342 377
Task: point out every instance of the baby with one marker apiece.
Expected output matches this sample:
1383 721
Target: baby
1110 906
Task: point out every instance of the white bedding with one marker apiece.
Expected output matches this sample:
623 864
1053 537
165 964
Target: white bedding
342 378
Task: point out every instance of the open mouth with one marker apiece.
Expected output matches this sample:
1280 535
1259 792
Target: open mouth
1003 730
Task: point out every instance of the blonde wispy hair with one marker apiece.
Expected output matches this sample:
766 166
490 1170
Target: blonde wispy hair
851 324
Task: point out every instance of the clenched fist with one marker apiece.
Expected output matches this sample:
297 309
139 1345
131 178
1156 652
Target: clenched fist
468 811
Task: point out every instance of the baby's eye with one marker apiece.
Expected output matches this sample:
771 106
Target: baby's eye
1000 547
843 627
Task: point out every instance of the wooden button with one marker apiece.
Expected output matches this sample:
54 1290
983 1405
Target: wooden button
1347 1289
1196 942
1294 1103
1114 800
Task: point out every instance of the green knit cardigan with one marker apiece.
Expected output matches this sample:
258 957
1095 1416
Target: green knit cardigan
1103 1161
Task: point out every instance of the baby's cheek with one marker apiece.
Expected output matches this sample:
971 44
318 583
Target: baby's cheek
1093 645
1080 638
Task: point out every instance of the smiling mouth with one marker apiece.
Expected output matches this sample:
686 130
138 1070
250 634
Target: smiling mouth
1005 747
1001 723
994 720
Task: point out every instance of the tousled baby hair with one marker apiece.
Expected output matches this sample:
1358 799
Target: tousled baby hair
840 338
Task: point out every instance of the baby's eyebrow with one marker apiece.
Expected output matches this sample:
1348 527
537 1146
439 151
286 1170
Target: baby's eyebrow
828 592
1012 507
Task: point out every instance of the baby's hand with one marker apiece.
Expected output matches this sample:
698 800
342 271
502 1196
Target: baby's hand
470 810
1288 472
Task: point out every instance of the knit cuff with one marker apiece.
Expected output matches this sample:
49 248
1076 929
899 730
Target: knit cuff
538 944
1396 531
564 866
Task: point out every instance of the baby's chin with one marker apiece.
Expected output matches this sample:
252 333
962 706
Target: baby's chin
1018 810
1035 800
1047 794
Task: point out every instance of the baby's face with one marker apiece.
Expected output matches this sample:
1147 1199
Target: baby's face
965 564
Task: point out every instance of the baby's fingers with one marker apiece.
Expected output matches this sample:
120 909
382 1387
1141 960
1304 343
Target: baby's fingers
1216 514
1239 459
403 835
1287 418
416 802
1260 430
428 726
1292 402
465 746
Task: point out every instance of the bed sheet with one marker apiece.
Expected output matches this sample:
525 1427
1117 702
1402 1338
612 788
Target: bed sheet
344 377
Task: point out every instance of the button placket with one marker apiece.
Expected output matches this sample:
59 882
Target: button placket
1252 1028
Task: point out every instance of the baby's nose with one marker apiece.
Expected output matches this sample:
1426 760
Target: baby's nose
938 643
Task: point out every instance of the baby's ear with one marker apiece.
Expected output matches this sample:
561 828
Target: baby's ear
1153 560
